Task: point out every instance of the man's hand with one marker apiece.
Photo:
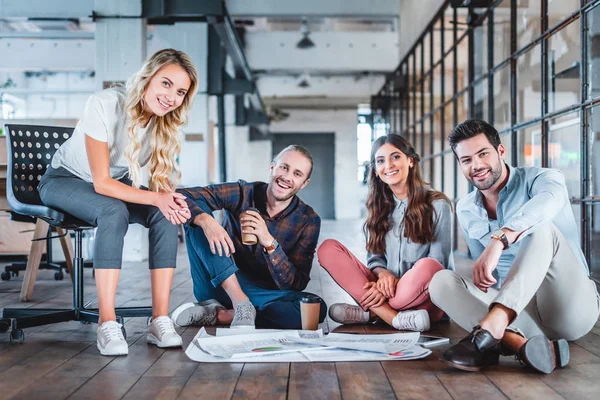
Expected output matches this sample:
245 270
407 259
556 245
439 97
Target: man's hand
486 264
386 283
373 297
217 236
253 223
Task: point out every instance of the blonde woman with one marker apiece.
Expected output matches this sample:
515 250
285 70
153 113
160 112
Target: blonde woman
95 176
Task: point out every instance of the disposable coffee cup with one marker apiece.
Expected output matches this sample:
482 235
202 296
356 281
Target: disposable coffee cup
310 306
248 238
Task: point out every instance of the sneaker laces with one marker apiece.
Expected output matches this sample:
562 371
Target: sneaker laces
408 320
200 318
353 313
112 330
164 325
244 311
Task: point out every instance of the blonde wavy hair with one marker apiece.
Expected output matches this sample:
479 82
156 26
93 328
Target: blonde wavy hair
164 133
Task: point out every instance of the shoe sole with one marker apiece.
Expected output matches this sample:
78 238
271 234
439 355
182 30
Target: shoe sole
177 312
461 367
544 355
154 340
109 354
493 361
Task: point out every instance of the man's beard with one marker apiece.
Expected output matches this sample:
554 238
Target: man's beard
271 188
491 181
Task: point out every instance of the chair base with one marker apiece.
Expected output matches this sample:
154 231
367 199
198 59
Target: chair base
16 319
13 269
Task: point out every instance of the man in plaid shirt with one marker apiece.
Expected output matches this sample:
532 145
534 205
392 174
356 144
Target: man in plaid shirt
239 284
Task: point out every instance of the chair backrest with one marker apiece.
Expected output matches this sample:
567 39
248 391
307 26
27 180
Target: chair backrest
30 150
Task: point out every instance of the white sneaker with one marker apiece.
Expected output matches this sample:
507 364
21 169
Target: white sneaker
203 313
110 339
161 332
413 320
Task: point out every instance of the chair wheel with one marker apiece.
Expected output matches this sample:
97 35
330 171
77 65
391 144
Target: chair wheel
4 325
17 335
5 276
58 276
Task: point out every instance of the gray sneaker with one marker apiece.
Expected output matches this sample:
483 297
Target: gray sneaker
348 314
245 315
203 313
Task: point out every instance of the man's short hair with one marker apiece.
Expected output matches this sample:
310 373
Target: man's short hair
300 149
471 128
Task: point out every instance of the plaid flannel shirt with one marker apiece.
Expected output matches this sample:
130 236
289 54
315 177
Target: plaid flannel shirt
296 229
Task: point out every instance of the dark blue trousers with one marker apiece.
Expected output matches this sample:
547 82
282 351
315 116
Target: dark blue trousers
275 309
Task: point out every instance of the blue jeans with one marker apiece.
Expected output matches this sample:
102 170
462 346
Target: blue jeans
279 309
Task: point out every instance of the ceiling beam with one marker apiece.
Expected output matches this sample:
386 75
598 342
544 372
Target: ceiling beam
46 9
337 51
314 8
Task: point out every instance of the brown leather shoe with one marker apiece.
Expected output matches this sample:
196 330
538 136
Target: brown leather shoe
544 355
473 353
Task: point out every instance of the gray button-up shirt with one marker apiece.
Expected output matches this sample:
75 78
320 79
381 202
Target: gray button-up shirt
401 253
531 196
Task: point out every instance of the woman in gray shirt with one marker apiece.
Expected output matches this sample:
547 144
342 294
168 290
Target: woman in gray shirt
408 241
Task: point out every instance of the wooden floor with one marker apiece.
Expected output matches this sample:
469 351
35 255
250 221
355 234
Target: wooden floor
61 361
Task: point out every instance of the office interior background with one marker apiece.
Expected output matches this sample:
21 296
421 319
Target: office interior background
334 76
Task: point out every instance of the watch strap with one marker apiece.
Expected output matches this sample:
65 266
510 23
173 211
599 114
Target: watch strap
500 236
272 247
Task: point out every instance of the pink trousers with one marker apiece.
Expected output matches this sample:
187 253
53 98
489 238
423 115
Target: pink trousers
412 291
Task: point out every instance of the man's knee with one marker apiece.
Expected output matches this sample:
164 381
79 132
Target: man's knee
441 284
196 239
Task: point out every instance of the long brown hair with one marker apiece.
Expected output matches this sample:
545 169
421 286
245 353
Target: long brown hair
418 219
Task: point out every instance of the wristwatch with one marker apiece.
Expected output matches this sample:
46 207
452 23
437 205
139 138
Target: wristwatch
501 236
272 247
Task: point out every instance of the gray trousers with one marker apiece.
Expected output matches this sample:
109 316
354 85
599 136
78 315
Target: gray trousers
64 191
547 286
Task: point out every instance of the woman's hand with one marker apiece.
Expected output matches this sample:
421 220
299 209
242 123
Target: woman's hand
386 283
173 206
373 297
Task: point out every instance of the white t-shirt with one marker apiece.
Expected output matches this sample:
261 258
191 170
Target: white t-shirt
104 119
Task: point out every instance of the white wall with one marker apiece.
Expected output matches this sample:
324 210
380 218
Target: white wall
343 123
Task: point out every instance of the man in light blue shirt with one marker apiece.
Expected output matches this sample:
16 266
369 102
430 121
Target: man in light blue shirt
530 289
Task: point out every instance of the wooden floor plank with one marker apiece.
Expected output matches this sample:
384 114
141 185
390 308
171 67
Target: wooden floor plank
577 382
414 380
364 380
263 381
212 381
463 385
518 383
37 366
313 381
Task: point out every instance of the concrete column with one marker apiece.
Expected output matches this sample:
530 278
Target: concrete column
120 52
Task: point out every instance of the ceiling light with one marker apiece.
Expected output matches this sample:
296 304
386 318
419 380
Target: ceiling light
304 81
305 42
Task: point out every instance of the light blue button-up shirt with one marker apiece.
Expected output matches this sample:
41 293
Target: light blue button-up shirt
531 196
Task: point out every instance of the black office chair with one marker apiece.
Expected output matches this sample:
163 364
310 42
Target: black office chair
30 150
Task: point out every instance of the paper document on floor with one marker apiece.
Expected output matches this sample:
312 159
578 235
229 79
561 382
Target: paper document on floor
234 345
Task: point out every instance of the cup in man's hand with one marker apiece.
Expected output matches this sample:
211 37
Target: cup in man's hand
247 238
